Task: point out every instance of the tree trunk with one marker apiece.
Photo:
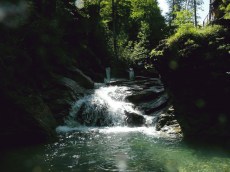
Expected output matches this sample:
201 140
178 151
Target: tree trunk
195 15
173 9
172 16
114 10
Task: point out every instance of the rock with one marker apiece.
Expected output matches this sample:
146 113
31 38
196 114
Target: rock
170 109
134 120
198 84
25 120
167 119
141 97
61 94
145 95
167 124
89 114
78 76
157 104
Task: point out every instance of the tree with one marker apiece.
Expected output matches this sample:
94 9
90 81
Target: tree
225 9
179 5
174 5
114 19
195 14
133 27
183 17
193 6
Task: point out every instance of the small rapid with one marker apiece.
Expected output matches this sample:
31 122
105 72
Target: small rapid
106 106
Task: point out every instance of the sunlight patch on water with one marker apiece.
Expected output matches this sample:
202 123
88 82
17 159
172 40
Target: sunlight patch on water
144 130
148 131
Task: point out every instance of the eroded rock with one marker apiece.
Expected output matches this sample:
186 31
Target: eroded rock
82 79
167 123
134 119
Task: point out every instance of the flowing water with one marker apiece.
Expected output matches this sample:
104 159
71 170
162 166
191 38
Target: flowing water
96 137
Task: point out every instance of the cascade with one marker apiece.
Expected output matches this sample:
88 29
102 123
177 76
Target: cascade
107 106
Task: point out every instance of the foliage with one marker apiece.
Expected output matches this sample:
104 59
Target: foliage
182 18
192 48
139 26
188 31
225 8
191 6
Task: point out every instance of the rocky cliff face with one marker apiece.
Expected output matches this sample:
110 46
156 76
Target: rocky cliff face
40 58
195 69
30 117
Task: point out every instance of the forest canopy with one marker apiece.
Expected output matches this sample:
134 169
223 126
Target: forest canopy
133 27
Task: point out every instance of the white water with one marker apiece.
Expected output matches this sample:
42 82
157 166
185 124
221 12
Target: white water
107 106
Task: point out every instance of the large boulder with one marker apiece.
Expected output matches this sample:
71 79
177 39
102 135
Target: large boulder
93 116
30 116
167 123
194 68
78 76
134 119
145 95
60 95
157 104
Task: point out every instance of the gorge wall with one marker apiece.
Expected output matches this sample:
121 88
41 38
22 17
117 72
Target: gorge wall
43 52
195 68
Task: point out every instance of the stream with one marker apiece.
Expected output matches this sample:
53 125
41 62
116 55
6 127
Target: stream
101 135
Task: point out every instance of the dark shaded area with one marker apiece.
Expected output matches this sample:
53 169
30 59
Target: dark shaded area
198 81
44 47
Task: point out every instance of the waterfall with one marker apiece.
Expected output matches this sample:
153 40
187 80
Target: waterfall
106 106
122 103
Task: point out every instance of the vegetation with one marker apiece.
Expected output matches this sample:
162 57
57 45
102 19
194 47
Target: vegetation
41 45
225 8
45 43
133 28
189 6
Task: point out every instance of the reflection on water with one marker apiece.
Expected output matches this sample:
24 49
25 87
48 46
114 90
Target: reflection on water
117 149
